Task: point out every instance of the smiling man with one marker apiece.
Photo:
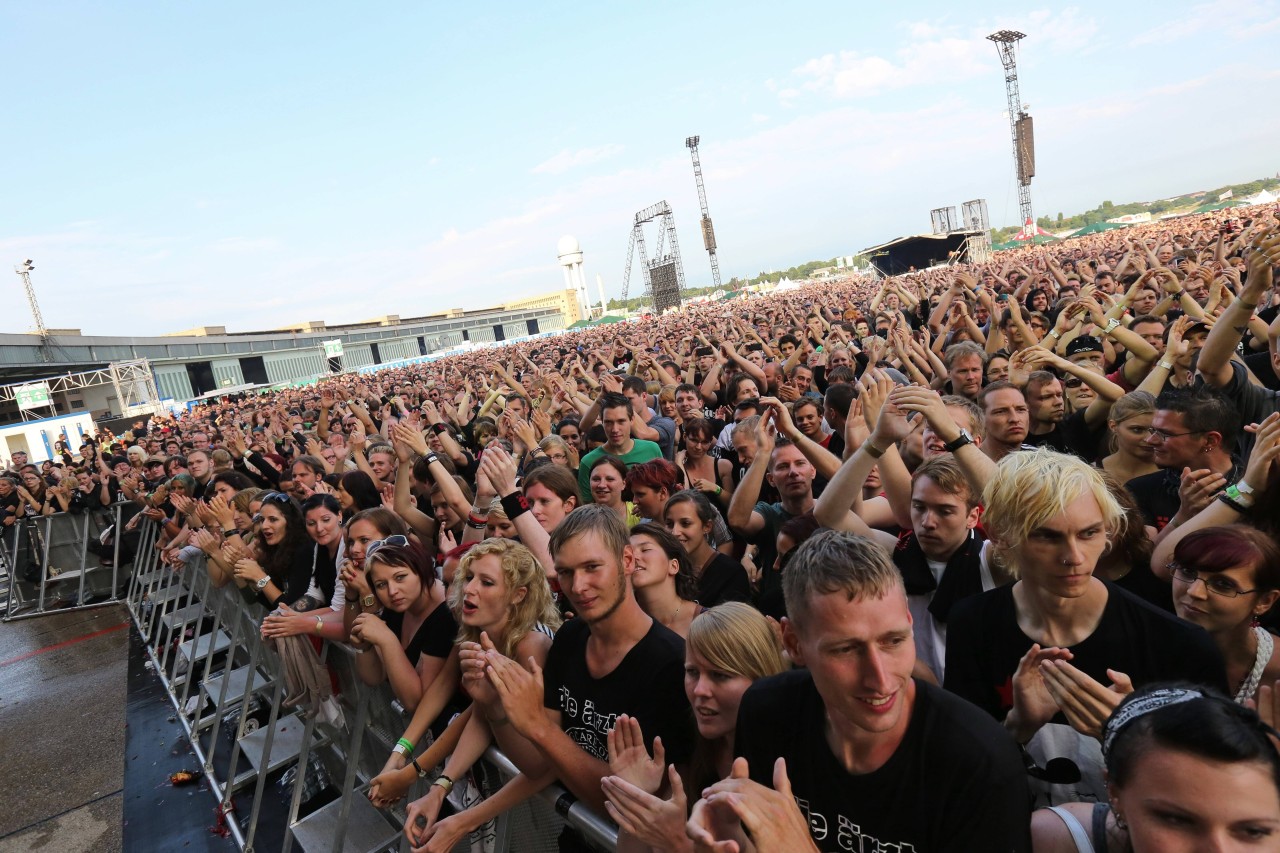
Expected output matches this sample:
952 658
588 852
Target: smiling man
613 659
874 759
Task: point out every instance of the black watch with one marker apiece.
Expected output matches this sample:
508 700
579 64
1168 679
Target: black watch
958 442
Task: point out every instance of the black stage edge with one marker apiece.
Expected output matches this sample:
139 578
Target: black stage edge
160 817
157 815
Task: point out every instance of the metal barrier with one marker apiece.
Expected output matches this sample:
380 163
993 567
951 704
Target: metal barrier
56 549
205 645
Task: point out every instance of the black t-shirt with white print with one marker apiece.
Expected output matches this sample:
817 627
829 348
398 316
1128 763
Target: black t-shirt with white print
955 783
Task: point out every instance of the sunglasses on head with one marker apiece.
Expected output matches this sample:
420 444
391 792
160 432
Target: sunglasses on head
373 547
276 497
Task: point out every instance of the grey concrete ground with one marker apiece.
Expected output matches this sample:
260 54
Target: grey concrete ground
62 729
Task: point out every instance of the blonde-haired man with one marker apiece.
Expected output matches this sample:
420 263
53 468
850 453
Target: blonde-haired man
1053 653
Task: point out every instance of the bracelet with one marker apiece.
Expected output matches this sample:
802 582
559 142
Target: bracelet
872 451
399 749
1055 333
477 523
514 505
319 625
1165 364
406 743
445 782
231 532
1234 504
416 766
718 491
431 458
1242 497
1252 306
439 429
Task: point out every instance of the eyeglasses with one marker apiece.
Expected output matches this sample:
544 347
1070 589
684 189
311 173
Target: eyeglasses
396 541
1161 435
1216 584
1073 382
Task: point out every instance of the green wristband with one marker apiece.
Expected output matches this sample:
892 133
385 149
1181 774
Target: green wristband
406 743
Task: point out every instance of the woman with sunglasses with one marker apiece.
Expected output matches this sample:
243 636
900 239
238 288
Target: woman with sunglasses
412 639
283 569
364 528
327 597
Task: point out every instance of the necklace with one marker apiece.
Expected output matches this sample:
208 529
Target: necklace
1266 644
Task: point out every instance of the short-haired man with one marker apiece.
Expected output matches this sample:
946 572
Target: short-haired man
616 418
1046 407
851 752
790 463
1005 413
965 362
1192 437
613 659
645 422
939 555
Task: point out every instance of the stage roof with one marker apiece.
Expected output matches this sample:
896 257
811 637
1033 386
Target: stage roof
921 251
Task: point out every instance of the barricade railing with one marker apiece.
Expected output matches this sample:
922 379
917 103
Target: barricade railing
47 564
227 685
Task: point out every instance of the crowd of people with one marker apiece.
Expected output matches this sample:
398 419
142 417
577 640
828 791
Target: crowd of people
980 557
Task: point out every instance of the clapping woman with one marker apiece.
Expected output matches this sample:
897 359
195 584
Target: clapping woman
728 648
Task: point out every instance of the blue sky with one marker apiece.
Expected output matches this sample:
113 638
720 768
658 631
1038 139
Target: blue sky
250 164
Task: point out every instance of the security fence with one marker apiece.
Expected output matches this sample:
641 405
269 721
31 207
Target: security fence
65 561
228 687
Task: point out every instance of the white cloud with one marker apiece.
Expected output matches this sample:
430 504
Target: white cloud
937 53
566 159
1239 19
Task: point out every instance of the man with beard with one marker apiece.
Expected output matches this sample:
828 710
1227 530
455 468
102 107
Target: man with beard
613 660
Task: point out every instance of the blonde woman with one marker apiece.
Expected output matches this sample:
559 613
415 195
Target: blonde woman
728 648
1131 456
502 601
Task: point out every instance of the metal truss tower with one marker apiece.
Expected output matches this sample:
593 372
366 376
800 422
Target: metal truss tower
664 275
24 272
1006 42
708 233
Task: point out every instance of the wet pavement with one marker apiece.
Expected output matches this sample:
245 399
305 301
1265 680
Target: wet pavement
62 730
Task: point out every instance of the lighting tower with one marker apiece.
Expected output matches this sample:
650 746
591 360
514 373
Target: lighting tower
1019 121
708 233
24 272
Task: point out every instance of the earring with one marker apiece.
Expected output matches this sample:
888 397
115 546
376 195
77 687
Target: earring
1119 818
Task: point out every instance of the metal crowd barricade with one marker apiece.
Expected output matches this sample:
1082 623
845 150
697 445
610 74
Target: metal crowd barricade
69 575
227 686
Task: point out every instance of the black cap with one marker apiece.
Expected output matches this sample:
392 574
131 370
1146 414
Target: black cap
1084 343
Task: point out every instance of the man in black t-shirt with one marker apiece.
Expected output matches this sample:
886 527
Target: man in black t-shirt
1028 652
857 752
613 659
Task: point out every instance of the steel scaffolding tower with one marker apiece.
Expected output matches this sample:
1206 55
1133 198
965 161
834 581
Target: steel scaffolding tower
1006 42
708 233
664 275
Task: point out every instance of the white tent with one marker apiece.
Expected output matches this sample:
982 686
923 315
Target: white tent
1263 197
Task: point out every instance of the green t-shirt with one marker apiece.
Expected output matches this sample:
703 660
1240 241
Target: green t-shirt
641 451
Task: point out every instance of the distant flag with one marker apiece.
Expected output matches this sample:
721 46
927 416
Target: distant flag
1224 196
